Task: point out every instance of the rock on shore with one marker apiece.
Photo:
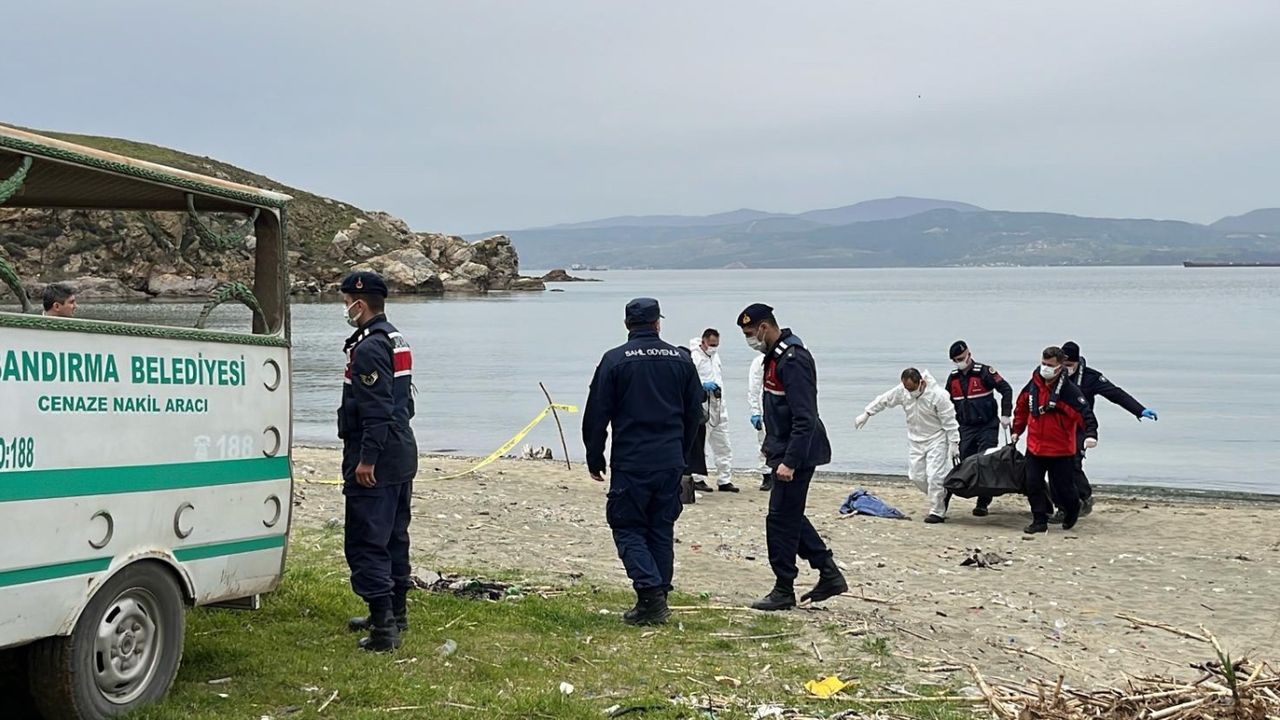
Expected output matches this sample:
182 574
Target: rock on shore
560 275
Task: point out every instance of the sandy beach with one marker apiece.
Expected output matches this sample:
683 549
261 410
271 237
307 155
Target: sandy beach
1049 607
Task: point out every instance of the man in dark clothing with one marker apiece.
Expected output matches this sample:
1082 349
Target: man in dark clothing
795 444
1093 383
973 387
379 461
1052 411
648 391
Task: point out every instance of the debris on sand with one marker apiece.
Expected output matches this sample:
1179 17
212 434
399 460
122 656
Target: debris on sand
1239 692
990 560
476 588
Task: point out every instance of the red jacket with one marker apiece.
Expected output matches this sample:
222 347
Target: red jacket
1050 422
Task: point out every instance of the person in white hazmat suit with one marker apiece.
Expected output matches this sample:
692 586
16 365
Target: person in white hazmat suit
932 432
755 401
705 351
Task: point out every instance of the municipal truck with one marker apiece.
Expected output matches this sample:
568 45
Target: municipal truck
143 469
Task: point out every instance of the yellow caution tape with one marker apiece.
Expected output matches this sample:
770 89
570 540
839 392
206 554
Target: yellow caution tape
502 449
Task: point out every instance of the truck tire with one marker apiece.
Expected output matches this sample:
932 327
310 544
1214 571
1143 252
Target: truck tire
123 653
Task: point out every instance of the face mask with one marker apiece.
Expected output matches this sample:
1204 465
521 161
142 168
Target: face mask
1048 372
711 351
962 366
346 314
917 392
756 344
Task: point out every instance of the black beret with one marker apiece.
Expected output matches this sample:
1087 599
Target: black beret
364 282
957 347
754 313
1071 350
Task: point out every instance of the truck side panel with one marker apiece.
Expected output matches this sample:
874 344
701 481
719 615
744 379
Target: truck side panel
117 448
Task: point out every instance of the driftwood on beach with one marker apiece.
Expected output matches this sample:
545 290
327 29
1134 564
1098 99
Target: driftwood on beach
1235 690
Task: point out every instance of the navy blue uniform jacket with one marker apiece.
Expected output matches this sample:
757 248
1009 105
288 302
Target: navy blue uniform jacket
650 393
794 434
377 403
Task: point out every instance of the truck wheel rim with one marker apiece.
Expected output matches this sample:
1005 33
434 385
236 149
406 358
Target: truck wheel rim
127 647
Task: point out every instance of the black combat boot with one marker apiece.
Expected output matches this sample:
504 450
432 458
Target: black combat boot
399 610
384 635
781 597
1039 524
651 608
766 482
831 582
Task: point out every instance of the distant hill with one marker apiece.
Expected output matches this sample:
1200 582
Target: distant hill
728 218
883 209
938 237
1266 220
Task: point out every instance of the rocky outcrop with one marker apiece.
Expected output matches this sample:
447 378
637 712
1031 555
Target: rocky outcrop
406 270
136 254
562 276
133 255
429 263
93 288
170 285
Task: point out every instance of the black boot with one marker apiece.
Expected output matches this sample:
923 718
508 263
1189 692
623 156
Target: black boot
384 636
831 582
399 610
766 482
1039 524
651 608
781 597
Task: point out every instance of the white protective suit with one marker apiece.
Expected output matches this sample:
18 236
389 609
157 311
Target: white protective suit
933 437
755 401
719 454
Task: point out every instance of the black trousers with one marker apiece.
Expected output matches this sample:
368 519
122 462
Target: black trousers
788 532
642 510
975 440
1082 481
1062 486
696 460
376 540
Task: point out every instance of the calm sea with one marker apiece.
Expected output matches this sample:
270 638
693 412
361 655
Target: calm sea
1200 346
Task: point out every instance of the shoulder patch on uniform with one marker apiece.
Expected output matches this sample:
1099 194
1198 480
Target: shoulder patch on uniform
369 379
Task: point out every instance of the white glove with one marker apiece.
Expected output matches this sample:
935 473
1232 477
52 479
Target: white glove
955 454
861 420
1007 422
1014 440
1090 443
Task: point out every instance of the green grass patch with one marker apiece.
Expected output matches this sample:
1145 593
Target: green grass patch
288 659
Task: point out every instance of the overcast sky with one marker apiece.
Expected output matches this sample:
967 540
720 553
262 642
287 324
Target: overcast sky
468 115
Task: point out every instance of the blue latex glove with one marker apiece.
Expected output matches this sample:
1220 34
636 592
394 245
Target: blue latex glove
710 386
1149 414
756 421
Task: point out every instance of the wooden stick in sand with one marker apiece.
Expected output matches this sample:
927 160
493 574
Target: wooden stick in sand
559 427
997 707
1162 626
